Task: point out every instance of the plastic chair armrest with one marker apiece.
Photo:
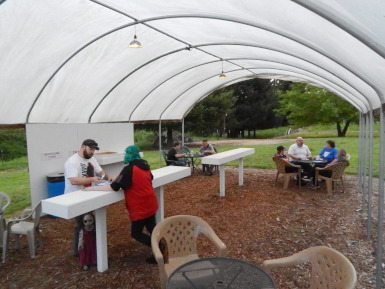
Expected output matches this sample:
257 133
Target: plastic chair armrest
156 252
296 259
217 242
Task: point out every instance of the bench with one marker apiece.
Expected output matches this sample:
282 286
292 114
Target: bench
73 204
221 159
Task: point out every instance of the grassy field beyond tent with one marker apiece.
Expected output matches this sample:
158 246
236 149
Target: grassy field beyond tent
16 182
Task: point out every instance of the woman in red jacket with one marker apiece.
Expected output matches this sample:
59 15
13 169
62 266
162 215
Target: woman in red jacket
141 202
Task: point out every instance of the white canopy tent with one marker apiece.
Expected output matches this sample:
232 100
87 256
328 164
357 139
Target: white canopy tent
69 61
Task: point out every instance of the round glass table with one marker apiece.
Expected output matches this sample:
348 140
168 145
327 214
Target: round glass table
219 273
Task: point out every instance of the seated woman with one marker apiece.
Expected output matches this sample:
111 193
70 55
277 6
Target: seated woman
342 156
329 154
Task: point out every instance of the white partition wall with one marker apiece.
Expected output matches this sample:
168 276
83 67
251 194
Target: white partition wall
49 146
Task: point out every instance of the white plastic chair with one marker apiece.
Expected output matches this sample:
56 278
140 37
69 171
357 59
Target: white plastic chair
5 200
329 268
180 234
22 226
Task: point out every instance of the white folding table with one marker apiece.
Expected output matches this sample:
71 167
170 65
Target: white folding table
73 204
220 159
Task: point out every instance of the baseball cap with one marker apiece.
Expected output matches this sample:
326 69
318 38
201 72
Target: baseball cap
279 148
91 143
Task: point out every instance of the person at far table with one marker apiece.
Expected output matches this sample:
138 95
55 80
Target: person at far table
281 154
329 154
172 155
300 151
342 156
207 150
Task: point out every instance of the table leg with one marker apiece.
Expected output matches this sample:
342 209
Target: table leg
240 171
222 180
101 239
159 216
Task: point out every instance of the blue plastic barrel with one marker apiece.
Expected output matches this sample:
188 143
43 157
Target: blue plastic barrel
55 185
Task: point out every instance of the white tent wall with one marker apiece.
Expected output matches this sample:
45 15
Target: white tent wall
68 61
49 146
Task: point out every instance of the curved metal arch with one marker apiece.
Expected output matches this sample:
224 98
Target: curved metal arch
70 58
174 75
305 77
329 16
274 31
128 75
294 56
240 21
231 59
220 86
228 60
237 44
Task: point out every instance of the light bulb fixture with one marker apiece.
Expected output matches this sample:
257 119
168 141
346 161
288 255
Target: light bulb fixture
135 43
222 75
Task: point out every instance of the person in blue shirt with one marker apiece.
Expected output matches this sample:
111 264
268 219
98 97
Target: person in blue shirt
329 154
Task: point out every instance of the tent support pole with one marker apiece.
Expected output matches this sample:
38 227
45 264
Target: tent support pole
183 132
160 143
360 154
380 225
370 181
365 157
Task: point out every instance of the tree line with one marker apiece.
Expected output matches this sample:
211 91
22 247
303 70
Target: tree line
244 108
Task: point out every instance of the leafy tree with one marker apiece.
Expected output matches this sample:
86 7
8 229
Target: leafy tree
257 100
209 115
304 105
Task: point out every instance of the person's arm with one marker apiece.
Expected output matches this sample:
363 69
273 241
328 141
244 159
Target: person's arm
180 155
106 177
308 153
84 181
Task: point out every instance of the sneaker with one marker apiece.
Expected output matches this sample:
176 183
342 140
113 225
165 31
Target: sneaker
314 187
151 260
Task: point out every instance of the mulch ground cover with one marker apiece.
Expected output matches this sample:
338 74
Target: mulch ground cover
257 221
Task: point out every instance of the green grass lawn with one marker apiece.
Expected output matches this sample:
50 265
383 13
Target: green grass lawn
16 182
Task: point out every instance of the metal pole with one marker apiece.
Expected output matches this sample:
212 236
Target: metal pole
183 132
360 153
380 225
160 143
365 147
370 181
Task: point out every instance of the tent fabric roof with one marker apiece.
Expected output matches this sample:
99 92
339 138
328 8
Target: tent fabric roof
69 61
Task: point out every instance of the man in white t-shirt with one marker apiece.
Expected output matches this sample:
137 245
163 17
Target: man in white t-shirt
81 170
300 151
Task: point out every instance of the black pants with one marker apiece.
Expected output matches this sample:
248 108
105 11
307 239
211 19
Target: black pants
290 169
137 230
322 173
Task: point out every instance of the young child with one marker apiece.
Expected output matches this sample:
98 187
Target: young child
87 242
280 152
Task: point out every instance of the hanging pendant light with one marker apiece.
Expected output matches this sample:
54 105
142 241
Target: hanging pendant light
222 75
135 43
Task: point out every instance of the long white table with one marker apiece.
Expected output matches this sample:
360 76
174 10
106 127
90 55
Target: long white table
71 205
220 159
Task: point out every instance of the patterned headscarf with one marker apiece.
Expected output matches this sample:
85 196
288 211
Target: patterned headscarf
132 153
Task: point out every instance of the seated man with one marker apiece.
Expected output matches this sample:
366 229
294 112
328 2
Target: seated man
172 155
206 150
300 151
281 154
